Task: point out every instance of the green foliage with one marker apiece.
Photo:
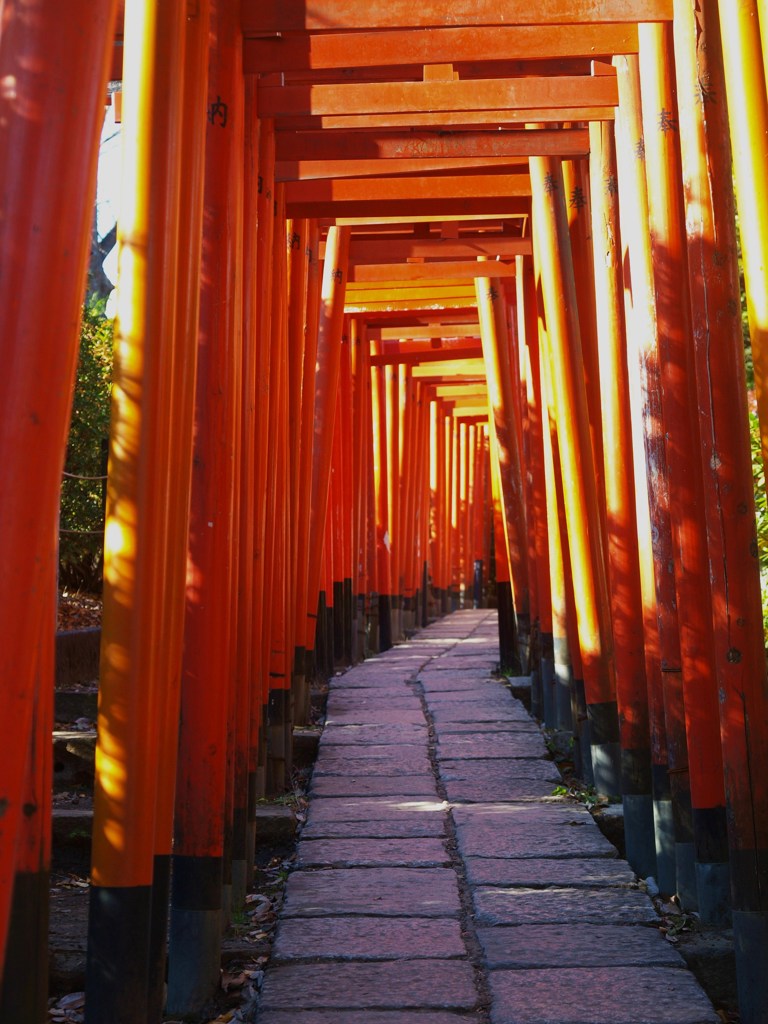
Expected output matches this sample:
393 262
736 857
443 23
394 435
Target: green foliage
81 541
761 511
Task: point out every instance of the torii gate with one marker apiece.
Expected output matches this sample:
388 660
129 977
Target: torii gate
273 440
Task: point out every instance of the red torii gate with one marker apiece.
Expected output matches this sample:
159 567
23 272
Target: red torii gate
243 483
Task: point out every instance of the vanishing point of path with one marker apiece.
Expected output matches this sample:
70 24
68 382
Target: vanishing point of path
439 882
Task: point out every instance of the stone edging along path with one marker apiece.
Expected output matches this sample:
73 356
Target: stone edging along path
439 882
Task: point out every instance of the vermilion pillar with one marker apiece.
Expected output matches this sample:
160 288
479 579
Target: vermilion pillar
728 493
129 890
552 251
207 666
58 62
623 561
326 384
693 594
650 473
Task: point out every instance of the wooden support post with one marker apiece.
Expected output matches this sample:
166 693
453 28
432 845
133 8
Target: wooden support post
298 256
326 384
265 214
692 582
361 376
650 472
202 772
561 715
745 83
140 683
24 972
277 564
501 376
728 494
58 61
552 250
336 513
381 474
528 335
392 441
509 651
247 659
623 562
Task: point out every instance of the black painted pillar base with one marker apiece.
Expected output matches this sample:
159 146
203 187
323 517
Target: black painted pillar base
637 800
158 937
605 747
250 834
330 633
374 640
509 654
117 965
685 852
664 829
338 623
278 753
713 876
361 630
348 619
321 638
424 596
300 687
547 669
477 582
563 684
385 622
445 600
750 936
24 987
582 759
194 951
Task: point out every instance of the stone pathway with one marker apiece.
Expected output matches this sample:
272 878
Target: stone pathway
439 882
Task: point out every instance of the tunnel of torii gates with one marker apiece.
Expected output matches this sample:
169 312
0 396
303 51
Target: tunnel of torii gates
412 297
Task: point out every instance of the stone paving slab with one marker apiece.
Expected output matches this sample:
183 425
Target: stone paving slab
482 834
576 945
559 906
381 735
487 772
335 766
369 938
483 711
610 995
371 1017
449 677
417 853
514 728
489 745
482 695
354 701
387 785
530 872
380 892
366 808
401 985
467 791
411 827
376 717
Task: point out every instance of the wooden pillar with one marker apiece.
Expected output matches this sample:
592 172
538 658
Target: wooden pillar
207 667
728 494
24 971
326 384
528 334
552 252
129 888
623 560
59 62
692 583
745 85
381 474
650 472
500 375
